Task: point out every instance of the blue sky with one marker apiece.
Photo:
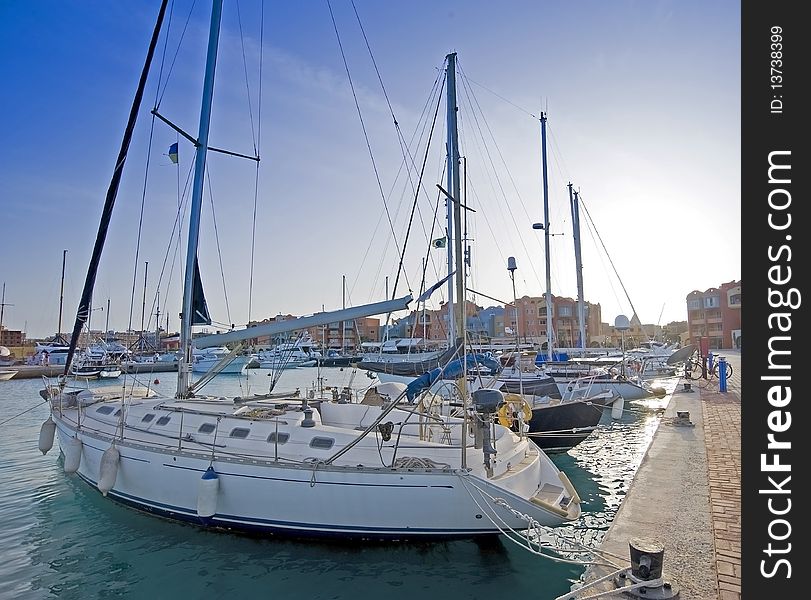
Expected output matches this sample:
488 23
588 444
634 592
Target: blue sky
643 102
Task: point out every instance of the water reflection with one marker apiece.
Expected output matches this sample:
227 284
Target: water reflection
62 539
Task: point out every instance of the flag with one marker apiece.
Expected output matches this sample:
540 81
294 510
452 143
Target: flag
427 293
173 153
439 242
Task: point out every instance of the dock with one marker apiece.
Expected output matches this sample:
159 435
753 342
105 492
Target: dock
50 371
686 495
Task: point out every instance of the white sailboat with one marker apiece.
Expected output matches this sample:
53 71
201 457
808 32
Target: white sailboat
349 470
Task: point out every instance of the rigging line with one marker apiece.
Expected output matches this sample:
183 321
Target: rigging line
436 87
217 240
176 226
474 104
414 205
557 156
174 58
256 172
404 147
141 221
610 282
146 168
247 82
83 311
608 256
523 110
363 127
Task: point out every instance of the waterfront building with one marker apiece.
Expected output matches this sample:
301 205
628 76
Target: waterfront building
716 314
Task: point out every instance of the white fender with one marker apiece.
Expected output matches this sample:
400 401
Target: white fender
617 407
108 469
46 435
207 492
72 449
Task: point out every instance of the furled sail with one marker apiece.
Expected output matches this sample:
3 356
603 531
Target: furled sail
199 307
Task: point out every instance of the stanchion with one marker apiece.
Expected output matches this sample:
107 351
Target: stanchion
722 374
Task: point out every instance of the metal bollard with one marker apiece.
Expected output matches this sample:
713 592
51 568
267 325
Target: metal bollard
722 374
710 361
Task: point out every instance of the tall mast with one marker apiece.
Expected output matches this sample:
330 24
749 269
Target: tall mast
343 323
61 298
574 201
158 323
184 365
456 311
2 308
143 302
550 330
107 325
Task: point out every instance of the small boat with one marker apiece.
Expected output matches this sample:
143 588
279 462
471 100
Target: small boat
110 372
86 371
281 362
289 355
207 359
6 374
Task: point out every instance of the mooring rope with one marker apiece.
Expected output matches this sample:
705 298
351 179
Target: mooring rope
537 529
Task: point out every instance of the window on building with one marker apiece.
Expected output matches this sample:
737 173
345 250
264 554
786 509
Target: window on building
712 302
694 303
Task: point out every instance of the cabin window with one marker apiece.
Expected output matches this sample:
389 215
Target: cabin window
207 428
239 432
322 443
163 420
278 438
147 418
104 410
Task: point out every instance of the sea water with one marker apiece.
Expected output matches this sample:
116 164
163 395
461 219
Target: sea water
61 539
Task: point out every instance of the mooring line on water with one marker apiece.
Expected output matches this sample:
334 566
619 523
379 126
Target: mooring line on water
538 529
19 415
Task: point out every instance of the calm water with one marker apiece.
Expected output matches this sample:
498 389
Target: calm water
61 539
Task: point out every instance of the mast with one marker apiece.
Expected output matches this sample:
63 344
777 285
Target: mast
158 323
61 299
550 330
343 306
143 304
456 311
107 326
184 365
3 308
574 201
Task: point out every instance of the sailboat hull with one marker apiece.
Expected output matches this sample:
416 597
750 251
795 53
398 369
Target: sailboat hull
319 500
557 427
627 389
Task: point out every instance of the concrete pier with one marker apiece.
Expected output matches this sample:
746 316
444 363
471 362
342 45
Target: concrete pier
686 494
50 371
